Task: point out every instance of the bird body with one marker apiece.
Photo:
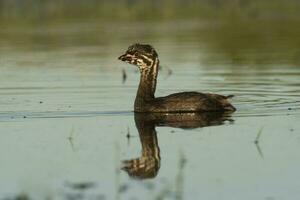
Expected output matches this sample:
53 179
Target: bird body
193 102
145 57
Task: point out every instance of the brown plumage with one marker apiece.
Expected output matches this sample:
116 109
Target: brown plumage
146 58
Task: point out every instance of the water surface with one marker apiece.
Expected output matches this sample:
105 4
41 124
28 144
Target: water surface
67 124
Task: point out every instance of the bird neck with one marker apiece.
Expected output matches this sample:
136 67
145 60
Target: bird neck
147 83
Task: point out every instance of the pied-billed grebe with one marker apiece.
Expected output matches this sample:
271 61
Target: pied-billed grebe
145 57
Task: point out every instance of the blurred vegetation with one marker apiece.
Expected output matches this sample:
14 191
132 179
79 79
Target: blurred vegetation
147 9
233 31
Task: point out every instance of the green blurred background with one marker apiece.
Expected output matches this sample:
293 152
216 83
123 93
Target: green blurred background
239 32
48 10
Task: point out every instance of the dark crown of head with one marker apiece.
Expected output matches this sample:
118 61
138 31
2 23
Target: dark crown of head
142 49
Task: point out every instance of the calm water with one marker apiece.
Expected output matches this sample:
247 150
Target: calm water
67 124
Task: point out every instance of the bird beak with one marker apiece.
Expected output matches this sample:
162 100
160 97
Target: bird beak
125 57
122 57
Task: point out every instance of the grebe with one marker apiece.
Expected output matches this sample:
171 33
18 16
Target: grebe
146 59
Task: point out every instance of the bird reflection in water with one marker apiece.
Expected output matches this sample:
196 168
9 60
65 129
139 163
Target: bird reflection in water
148 164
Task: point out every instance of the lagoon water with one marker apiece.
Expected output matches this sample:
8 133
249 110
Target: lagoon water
66 119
